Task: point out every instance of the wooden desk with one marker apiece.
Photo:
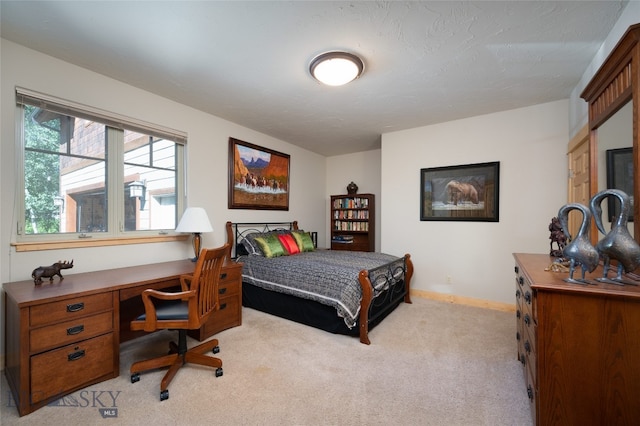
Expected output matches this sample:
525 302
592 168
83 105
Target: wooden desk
65 336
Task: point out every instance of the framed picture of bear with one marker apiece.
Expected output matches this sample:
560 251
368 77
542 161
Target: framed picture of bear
468 192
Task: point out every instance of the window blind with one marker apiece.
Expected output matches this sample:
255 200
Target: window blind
63 106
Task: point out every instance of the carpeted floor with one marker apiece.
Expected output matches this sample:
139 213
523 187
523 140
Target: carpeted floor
430 363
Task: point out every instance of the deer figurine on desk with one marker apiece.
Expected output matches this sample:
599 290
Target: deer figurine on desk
50 271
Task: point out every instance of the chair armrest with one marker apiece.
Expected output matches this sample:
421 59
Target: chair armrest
185 281
149 306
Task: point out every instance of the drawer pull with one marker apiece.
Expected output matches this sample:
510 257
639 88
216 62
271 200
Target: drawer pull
517 294
530 392
75 330
223 306
527 297
518 314
527 347
518 336
75 355
75 307
520 280
516 269
523 360
527 319
222 290
223 275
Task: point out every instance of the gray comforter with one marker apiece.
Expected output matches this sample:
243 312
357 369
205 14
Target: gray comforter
325 276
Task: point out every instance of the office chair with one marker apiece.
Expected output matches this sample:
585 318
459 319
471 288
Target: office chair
182 311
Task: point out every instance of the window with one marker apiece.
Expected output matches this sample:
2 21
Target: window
89 173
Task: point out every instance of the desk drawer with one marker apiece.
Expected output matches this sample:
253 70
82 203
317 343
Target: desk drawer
229 276
61 334
227 316
68 309
58 371
229 286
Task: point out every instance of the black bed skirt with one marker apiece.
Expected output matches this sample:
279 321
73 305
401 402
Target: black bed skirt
309 312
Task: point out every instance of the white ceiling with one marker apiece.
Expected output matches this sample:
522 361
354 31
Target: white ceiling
425 62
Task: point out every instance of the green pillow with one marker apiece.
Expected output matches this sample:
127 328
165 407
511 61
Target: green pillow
303 239
270 246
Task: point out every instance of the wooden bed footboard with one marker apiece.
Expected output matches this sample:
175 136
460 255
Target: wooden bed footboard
399 290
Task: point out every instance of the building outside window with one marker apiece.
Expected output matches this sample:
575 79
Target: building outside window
89 174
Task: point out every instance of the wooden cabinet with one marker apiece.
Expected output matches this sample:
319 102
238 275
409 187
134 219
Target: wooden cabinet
579 346
64 336
353 222
230 296
55 348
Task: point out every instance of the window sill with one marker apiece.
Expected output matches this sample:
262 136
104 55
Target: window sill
98 242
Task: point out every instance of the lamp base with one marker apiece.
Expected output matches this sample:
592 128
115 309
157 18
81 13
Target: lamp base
197 239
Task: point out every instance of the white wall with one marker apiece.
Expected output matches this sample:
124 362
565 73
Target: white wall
530 144
363 168
207 156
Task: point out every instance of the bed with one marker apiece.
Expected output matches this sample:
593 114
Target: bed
341 292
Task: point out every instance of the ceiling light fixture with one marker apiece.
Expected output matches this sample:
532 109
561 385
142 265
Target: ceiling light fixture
336 68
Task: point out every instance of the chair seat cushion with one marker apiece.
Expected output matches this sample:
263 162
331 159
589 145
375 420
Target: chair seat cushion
170 310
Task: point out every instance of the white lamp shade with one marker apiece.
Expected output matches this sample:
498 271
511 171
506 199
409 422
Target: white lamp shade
194 219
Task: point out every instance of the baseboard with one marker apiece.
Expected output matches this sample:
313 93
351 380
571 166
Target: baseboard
461 300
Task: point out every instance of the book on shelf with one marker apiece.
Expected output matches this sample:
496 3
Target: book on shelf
342 239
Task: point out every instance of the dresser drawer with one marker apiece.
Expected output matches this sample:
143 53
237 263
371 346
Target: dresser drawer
532 394
52 336
57 371
68 309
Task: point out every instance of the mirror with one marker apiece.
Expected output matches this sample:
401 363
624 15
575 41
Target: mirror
613 134
613 95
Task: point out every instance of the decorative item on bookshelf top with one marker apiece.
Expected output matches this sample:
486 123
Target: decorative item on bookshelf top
352 188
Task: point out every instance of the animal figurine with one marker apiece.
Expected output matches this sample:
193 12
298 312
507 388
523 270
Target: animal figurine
556 236
617 244
50 271
579 250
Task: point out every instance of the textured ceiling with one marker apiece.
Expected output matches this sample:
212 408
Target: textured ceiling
425 62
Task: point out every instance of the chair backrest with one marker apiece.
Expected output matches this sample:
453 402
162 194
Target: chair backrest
205 283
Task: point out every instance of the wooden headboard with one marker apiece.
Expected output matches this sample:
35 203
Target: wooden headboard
236 231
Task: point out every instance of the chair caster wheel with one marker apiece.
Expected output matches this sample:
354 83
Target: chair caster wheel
218 371
135 377
164 394
216 349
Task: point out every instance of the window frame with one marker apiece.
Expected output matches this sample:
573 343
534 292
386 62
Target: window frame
115 180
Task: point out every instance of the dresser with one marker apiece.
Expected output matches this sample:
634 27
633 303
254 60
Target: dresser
66 335
579 346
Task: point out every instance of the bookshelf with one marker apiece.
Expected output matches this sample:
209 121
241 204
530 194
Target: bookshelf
353 222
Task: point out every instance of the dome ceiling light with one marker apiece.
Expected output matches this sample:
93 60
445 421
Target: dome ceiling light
336 68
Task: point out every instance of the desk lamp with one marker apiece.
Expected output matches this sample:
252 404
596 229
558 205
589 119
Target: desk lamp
196 221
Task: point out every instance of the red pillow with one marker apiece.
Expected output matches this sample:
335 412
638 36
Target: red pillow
289 243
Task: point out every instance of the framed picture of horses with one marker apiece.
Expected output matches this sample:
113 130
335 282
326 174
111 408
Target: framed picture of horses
258 177
468 192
